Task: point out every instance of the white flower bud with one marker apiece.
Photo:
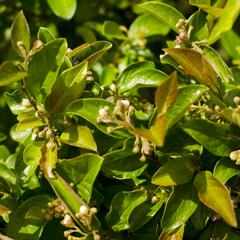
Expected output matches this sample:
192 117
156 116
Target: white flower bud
236 100
84 210
154 199
93 210
67 221
112 87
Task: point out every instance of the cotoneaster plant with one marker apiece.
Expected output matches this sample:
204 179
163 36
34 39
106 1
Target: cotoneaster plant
109 146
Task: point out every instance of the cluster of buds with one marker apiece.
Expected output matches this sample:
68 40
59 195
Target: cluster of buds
146 148
55 210
120 116
85 214
184 32
235 156
46 133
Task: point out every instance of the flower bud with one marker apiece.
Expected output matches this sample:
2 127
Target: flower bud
84 210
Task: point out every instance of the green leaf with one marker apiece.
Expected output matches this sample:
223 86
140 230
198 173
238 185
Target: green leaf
198 20
166 94
4 153
175 172
143 214
206 6
156 133
31 157
217 139
6 173
123 163
147 25
90 52
218 64
49 57
196 65
10 72
15 102
68 87
230 41
201 216
226 21
62 8
163 12
20 33
225 169
181 205
88 108
79 136
45 35
187 95
27 222
82 171
112 29
216 196
122 206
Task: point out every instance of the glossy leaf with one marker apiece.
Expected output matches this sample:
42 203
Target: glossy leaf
6 173
225 169
10 72
206 6
112 29
29 219
68 87
15 102
175 172
63 9
218 64
45 35
31 157
88 109
82 171
143 78
187 95
181 205
196 65
50 57
216 196
156 133
166 94
164 12
147 25
123 163
231 43
20 33
122 206
90 52
143 214
215 138
198 20
175 235
79 136
201 217
4 153
226 21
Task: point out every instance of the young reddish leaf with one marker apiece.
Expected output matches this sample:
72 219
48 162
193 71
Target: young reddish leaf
196 65
20 33
157 132
166 94
216 196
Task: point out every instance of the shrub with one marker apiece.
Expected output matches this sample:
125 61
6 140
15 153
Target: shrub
106 142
